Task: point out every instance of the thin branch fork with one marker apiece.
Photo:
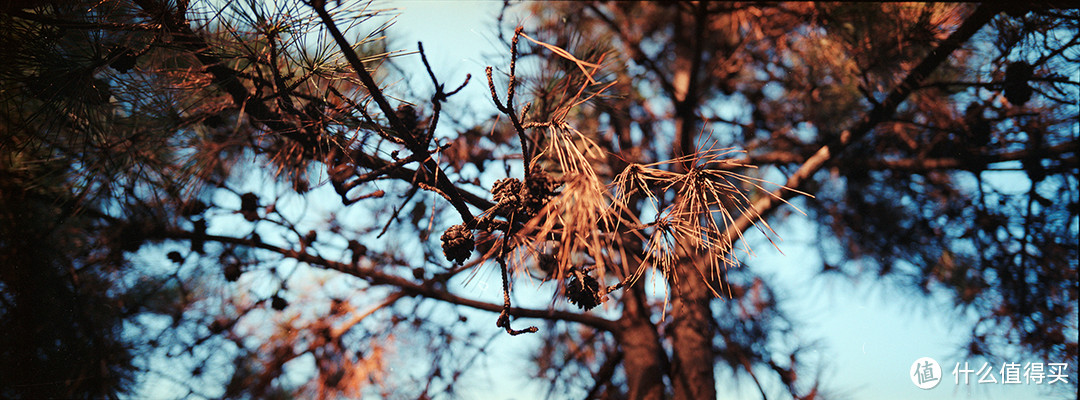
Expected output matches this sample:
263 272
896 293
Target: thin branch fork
225 78
440 94
508 107
440 179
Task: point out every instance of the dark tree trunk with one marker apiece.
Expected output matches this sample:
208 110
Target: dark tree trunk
691 336
645 361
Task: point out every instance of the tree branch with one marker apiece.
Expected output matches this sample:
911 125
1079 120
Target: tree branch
415 146
228 80
971 163
981 16
105 26
406 286
604 374
634 48
372 162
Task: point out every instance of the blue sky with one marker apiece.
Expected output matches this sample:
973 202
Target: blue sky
870 334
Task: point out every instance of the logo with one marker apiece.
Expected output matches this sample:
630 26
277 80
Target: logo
925 373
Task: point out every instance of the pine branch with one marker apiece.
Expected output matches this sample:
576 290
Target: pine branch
980 17
973 162
441 181
426 289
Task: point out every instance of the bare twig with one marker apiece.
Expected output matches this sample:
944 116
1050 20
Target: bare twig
440 94
508 108
504 316
440 179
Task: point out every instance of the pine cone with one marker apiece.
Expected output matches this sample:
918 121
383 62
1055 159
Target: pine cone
540 187
507 190
232 272
457 243
585 293
278 303
409 116
1017 89
249 204
193 208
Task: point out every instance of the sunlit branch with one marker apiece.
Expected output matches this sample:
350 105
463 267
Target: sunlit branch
974 162
356 318
980 17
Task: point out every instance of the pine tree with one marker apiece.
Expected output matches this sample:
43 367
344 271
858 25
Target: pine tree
240 191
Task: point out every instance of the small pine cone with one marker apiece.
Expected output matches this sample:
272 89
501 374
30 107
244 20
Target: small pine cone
507 191
249 204
457 243
547 263
585 293
1018 72
193 208
411 118
232 272
540 187
278 303
541 182
1017 89
249 201
408 115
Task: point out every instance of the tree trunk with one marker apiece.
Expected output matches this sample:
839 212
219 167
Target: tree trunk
691 330
645 362
691 336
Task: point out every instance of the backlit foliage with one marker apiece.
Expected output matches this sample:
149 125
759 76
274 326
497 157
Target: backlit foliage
255 194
